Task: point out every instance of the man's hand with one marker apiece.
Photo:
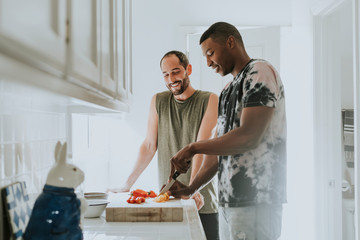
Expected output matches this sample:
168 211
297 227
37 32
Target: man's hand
182 160
180 190
199 200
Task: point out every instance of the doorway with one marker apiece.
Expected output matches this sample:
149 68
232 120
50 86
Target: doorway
334 83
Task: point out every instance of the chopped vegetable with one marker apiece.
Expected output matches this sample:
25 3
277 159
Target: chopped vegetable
152 194
162 198
137 200
139 193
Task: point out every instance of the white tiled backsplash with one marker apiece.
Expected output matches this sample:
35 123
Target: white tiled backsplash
104 146
31 122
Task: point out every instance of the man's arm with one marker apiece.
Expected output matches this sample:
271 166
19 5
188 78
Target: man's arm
207 125
253 123
147 149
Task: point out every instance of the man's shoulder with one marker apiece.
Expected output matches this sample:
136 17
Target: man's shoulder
163 94
259 64
205 94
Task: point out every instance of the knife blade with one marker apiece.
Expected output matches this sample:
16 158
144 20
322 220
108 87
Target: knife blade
169 184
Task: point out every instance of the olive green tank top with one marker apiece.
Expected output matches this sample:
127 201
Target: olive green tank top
178 126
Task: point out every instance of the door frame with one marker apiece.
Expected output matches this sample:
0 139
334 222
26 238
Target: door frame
356 47
328 184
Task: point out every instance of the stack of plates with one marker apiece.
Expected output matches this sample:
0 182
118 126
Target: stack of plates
95 195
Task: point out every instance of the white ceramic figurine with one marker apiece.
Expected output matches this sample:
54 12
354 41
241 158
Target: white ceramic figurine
57 210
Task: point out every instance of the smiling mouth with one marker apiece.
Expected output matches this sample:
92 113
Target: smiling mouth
175 84
216 68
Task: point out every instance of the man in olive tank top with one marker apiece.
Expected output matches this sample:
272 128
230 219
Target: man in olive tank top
177 118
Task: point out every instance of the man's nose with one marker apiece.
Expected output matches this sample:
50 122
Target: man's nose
208 61
171 78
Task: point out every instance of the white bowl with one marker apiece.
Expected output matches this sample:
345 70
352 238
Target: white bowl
95 208
95 195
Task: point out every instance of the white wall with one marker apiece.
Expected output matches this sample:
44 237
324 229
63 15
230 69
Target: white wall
296 70
342 46
31 122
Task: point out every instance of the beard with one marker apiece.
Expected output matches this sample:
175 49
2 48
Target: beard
184 83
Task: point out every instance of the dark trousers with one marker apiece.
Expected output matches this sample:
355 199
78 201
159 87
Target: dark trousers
210 224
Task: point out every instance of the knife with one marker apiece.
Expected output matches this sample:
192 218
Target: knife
169 184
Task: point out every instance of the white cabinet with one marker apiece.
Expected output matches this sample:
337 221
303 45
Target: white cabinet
124 87
115 48
84 41
108 40
121 86
34 32
81 43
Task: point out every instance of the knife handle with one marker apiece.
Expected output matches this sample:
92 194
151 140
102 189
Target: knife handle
175 175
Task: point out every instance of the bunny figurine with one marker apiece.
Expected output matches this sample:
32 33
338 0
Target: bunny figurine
57 210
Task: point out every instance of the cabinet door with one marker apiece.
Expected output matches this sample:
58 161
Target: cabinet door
84 44
33 31
108 41
123 50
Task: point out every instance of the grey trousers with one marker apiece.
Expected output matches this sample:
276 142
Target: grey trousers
259 222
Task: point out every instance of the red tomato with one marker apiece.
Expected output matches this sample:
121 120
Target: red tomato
138 200
152 194
139 193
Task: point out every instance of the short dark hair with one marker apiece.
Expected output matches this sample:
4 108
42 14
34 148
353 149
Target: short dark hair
220 32
184 61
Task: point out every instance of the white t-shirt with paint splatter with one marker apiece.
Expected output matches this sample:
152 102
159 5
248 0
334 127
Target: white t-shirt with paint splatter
258 175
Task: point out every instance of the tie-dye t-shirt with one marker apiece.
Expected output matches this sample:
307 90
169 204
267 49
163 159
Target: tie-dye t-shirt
258 175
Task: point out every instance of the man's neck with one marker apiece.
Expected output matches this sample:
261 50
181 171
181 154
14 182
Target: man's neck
186 94
242 60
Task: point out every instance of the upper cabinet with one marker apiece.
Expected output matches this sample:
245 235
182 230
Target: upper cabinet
34 31
80 46
108 45
84 41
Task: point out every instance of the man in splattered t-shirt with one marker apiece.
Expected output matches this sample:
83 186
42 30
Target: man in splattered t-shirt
250 141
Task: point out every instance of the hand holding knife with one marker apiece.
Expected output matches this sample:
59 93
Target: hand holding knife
178 166
169 184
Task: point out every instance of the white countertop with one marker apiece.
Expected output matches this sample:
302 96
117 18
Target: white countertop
189 228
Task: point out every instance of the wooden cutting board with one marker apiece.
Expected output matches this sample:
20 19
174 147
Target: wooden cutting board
149 211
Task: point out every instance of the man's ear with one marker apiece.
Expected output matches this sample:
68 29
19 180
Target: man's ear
189 69
230 42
